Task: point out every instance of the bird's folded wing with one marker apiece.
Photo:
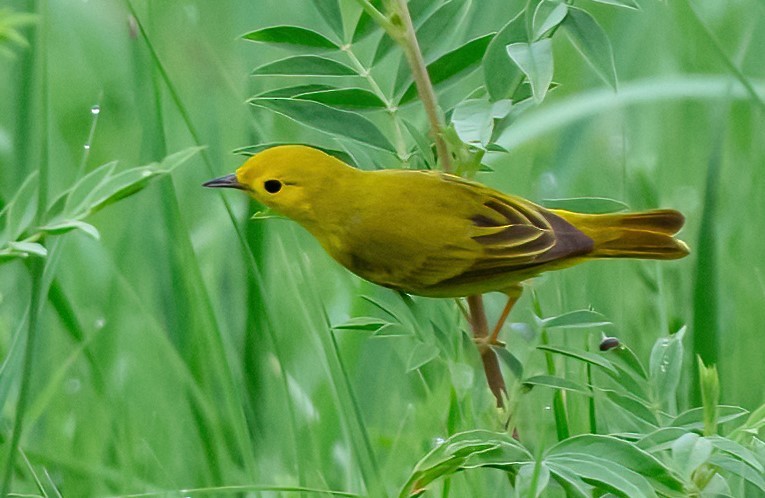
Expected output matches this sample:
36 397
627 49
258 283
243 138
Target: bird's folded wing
506 234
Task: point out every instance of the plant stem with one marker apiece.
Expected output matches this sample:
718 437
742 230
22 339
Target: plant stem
406 37
36 268
408 40
36 265
559 403
378 17
489 358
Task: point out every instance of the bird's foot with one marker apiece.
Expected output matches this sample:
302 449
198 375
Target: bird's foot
485 343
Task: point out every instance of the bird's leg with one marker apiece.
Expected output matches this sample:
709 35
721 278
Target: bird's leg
488 340
488 357
511 300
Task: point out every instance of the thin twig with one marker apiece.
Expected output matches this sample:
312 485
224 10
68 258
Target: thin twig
411 47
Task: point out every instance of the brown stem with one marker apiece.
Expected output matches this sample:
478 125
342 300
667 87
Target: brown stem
490 362
402 31
424 87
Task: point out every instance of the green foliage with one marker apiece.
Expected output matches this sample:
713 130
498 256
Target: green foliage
91 193
168 345
667 458
11 24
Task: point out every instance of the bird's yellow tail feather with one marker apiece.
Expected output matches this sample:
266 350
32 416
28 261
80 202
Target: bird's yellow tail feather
647 234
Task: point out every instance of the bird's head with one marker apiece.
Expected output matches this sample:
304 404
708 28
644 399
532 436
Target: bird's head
291 179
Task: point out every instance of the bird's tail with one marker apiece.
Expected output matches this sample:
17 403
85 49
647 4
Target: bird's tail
647 234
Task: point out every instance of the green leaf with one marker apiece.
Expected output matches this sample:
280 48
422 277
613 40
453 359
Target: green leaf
128 182
510 360
536 61
392 330
452 66
327 119
631 382
606 474
294 36
739 468
351 98
329 10
82 193
384 47
464 450
575 320
717 487
578 354
291 91
363 323
10 22
556 383
629 4
661 439
28 248
632 405
20 211
628 361
473 119
665 367
689 452
500 74
68 226
430 33
304 65
619 452
366 25
423 144
535 475
421 354
590 205
738 451
592 42
570 481
693 419
547 16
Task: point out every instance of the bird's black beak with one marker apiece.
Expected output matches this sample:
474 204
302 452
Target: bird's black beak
228 181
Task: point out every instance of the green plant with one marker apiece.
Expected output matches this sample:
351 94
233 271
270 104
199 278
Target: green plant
177 356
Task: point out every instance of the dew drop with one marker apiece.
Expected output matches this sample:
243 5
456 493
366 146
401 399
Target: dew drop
95 110
100 323
438 441
87 147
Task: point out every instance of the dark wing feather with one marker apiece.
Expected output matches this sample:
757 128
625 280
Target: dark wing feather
516 235
503 235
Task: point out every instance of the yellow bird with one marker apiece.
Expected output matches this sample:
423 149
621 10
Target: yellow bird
433 234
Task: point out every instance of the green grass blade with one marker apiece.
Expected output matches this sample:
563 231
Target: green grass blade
706 287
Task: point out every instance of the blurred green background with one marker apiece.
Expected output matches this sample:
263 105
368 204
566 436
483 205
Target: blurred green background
199 364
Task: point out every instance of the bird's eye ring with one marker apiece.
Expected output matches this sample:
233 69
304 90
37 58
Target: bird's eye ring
272 186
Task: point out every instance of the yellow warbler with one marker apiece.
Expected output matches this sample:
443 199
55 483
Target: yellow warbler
434 234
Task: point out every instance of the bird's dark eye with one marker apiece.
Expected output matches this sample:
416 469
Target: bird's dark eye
272 186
